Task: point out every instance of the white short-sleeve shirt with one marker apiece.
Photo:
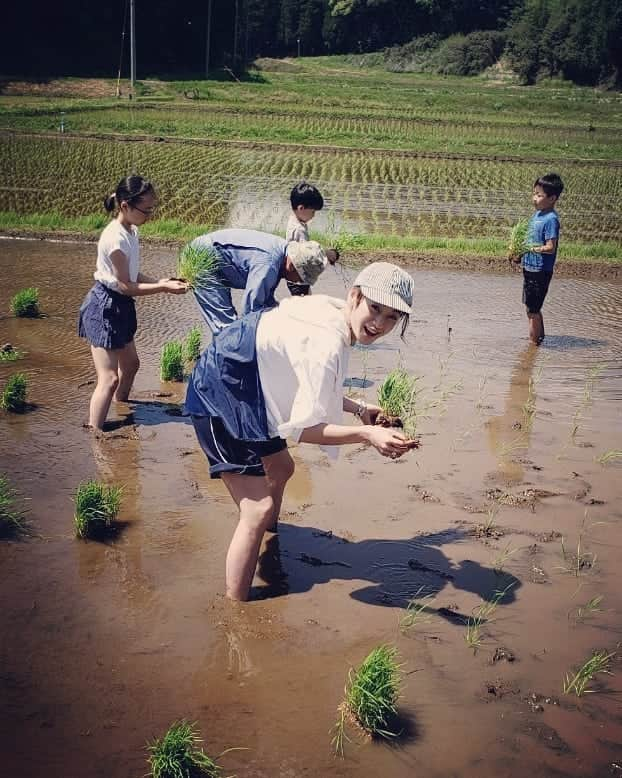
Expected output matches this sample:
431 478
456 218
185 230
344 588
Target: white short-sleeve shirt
116 238
303 348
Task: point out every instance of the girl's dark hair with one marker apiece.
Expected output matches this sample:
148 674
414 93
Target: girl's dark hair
129 189
404 319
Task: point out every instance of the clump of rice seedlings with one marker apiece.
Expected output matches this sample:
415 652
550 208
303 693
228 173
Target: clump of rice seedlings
172 361
192 345
26 303
97 506
417 610
499 561
13 397
591 607
197 265
10 354
371 695
481 615
518 239
609 456
11 519
576 562
178 754
599 662
397 396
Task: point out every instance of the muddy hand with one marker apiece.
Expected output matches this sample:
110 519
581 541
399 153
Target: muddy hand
388 442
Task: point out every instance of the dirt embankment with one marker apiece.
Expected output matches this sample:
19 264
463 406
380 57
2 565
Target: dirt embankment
565 268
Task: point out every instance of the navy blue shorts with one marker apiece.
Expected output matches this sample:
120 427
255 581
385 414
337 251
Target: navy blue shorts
107 318
535 286
226 454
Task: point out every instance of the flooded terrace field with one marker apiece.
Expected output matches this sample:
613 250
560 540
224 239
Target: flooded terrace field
515 489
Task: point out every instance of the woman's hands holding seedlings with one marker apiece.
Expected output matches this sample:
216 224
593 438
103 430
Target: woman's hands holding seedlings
388 442
173 285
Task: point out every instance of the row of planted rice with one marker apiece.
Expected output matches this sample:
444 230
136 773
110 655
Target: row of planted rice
379 191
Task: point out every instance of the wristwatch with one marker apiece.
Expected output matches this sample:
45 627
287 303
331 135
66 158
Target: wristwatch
361 409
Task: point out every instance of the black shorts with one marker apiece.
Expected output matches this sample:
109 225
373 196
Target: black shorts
535 286
226 454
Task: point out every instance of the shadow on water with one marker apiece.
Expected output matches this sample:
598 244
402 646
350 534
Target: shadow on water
568 342
398 570
150 412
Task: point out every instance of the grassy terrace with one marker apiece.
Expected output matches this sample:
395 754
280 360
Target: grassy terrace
406 161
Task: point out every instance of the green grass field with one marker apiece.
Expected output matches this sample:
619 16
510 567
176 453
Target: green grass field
405 161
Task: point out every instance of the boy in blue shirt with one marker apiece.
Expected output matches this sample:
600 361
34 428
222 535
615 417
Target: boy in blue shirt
538 262
255 262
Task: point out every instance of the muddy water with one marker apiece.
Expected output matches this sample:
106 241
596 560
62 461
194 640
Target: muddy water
103 645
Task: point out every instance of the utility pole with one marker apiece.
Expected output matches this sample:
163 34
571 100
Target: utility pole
208 36
132 50
235 36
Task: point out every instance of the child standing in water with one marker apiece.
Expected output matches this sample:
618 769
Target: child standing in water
279 374
538 262
108 314
305 199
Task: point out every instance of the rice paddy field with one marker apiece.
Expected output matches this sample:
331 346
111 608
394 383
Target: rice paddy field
487 561
455 613
404 161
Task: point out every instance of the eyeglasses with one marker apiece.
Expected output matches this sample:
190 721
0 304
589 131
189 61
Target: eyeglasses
150 212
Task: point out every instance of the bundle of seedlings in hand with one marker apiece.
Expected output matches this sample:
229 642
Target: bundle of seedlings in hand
197 265
396 397
26 303
13 397
9 354
97 506
518 240
371 697
172 361
178 754
192 345
11 519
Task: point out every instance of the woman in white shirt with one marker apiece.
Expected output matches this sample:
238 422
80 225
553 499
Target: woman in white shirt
108 314
279 374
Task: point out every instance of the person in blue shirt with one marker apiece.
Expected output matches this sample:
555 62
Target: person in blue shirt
538 262
255 262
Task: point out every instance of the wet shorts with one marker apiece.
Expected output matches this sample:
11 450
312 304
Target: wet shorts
535 286
107 318
227 454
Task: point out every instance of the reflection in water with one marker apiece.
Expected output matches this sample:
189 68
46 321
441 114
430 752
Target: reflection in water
118 464
510 433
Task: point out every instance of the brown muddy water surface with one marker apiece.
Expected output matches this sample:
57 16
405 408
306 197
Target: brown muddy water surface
104 645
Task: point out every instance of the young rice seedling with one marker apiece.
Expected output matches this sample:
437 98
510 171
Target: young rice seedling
178 754
371 695
97 506
172 361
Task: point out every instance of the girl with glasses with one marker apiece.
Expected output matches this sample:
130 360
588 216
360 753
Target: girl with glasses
108 315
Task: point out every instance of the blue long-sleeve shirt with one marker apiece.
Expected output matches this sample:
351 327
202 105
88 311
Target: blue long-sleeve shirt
249 260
